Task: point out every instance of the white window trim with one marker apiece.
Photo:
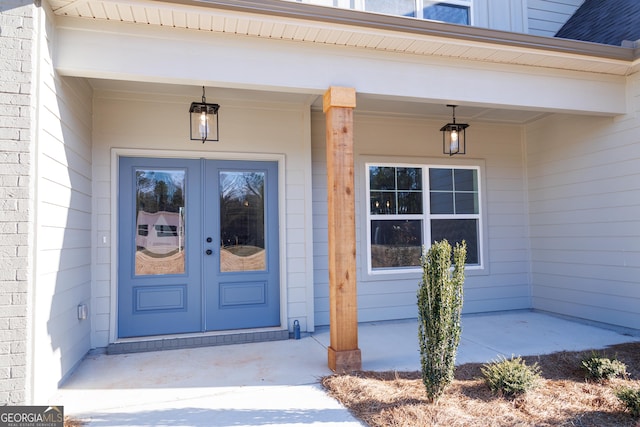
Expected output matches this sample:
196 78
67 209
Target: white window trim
426 216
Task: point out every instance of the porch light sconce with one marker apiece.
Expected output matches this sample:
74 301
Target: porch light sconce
203 118
454 136
82 312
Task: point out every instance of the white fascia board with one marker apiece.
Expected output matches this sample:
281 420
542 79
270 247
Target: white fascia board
169 55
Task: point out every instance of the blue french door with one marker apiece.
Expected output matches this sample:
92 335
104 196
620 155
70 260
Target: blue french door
198 246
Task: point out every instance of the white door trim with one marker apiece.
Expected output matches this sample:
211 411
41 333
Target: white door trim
116 153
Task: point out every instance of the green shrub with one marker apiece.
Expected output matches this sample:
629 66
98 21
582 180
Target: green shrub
439 310
631 398
510 377
599 368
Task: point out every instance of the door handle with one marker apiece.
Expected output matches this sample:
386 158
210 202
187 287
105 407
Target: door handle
208 252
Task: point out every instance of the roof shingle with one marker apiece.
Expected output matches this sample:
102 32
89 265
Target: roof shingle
604 21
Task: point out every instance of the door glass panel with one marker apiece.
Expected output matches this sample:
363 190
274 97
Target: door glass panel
242 227
160 237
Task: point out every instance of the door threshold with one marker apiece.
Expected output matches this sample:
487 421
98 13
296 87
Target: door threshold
193 340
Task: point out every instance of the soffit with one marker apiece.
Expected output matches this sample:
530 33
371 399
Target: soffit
283 20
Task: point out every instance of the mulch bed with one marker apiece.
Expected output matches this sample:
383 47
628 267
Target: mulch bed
563 398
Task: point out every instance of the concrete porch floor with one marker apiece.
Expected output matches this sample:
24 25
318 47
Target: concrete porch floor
276 383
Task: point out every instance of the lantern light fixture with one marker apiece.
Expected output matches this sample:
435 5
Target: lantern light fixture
454 136
203 120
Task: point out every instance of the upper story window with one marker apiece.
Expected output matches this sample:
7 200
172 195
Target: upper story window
452 11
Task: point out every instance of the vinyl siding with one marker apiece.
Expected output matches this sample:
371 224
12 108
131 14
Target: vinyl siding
546 17
63 237
502 285
504 15
584 191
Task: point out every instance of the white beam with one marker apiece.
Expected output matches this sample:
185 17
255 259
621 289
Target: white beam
170 55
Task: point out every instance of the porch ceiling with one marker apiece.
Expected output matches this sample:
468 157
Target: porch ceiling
284 20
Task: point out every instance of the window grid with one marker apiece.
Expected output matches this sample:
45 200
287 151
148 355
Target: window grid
427 217
454 192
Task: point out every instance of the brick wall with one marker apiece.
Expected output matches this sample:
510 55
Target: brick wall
17 38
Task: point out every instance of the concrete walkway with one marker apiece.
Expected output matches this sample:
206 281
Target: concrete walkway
276 383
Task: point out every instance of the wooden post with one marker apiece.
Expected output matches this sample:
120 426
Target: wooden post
344 354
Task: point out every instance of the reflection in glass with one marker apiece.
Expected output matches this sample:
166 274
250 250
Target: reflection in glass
440 11
395 191
466 179
382 178
441 203
160 237
242 232
455 231
392 7
453 191
409 178
440 179
466 203
383 202
396 243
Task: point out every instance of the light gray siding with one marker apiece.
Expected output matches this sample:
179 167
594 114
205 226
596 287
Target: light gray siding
503 284
504 15
17 103
546 17
584 192
63 224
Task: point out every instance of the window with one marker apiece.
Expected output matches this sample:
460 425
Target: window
166 230
447 12
455 213
392 7
452 11
413 204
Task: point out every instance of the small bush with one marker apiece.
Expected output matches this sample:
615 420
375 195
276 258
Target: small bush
603 368
511 377
439 309
631 398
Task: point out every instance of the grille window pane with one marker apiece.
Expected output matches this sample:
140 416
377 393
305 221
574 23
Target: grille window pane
455 231
466 179
399 223
385 197
466 203
440 180
409 179
444 12
382 178
396 243
391 7
442 203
